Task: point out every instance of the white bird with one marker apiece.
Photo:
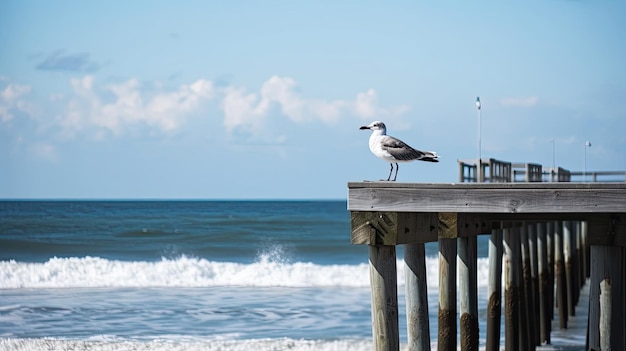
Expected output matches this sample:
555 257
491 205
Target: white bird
394 150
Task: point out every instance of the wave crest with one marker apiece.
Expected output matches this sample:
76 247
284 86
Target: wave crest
184 271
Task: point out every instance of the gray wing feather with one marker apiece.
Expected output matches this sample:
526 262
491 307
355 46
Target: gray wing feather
403 152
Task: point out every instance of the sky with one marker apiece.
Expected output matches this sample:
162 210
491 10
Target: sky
264 99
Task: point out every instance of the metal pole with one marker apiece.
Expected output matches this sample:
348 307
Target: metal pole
479 164
587 144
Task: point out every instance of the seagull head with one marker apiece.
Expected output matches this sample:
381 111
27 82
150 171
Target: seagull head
376 126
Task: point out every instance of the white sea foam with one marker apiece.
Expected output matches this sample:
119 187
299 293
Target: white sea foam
92 272
168 345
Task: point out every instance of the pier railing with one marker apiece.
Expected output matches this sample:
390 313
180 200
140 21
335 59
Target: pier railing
539 239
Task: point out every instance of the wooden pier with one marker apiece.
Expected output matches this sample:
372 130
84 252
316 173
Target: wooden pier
545 240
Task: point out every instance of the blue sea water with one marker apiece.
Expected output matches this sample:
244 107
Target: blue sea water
190 275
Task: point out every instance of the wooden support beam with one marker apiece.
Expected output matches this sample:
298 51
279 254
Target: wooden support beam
551 277
527 307
534 274
559 275
418 328
447 332
468 292
392 228
569 257
607 299
384 285
511 292
494 307
545 314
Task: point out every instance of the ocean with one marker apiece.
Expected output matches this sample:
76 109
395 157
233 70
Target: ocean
192 275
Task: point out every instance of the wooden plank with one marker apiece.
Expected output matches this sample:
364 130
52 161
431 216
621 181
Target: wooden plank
384 285
488 198
418 328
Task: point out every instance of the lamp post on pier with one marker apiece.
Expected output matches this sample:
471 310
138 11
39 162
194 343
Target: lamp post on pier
479 165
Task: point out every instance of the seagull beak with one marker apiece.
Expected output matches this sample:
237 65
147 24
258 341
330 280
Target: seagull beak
364 127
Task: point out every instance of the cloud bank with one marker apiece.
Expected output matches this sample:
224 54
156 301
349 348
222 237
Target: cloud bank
104 110
130 105
248 111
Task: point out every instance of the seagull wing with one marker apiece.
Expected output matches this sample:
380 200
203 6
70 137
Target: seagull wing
403 152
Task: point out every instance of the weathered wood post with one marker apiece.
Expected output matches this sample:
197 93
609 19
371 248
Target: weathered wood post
607 299
522 305
544 297
494 307
511 288
418 328
534 265
384 286
551 279
569 255
526 312
468 292
559 275
586 248
446 340
379 230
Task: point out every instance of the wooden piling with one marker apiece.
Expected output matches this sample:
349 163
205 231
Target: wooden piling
587 248
545 314
468 292
418 329
569 257
607 298
511 291
559 275
522 302
534 275
446 340
551 266
384 282
526 313
494 307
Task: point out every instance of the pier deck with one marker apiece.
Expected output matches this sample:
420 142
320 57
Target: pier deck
543 236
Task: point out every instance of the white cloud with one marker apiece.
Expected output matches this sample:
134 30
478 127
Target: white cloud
519 102
127 106
248 111
11 100
130 105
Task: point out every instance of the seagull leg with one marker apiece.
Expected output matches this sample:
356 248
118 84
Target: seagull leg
391 170
396 176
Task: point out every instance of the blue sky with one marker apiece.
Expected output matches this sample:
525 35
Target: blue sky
251 99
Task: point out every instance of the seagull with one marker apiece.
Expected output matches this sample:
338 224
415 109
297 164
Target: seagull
394 150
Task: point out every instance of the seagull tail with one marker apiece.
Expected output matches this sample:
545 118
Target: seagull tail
430 156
